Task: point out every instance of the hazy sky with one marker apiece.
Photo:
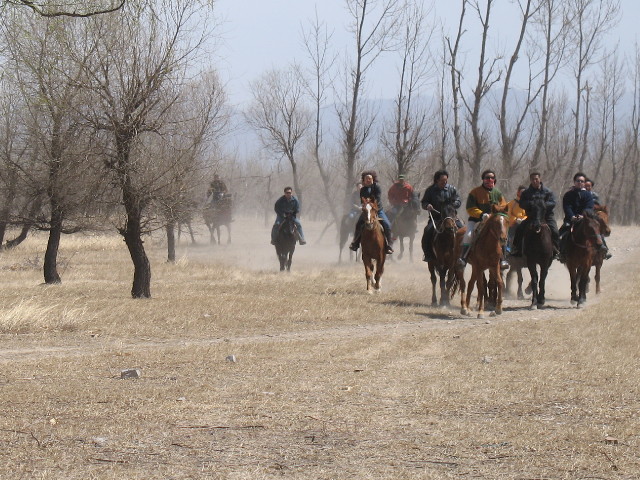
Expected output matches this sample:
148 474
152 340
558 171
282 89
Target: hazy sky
262 34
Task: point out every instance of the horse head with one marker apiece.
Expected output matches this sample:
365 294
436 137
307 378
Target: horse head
448 216
370 212
602 212
499 221
586 229
537 209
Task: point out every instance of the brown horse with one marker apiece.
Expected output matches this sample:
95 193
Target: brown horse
485 254
602 211
583 243
404 225
372 243
216 214
444 258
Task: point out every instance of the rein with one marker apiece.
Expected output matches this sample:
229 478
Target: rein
440 229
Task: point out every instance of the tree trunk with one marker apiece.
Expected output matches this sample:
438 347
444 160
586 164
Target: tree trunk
51 276
141 268
171 242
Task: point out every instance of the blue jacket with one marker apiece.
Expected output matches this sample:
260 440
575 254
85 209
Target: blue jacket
372 192
575 202
284 206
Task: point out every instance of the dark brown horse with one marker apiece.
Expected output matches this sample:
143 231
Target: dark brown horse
372 244
602 211
485 254
285 242
538 250
583 243
218 213
444 258
404 225
347 226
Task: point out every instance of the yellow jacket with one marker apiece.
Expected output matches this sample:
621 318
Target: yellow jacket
515 212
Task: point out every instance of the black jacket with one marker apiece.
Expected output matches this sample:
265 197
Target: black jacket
439 197
531 194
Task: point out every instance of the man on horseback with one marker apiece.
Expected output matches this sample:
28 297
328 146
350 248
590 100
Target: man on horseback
371 190
217 189
574 203
478 207
287 205
400 195
435 198
537 191
516 215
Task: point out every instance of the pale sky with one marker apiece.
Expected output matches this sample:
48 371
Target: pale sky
261 34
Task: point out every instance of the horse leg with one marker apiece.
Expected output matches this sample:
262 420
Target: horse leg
466 296
289 258
368 271
597 278
228 234
544 270
573 275
481 284
432 274
379 272
499 289
444 293
520 280
401 248
533 271
582 287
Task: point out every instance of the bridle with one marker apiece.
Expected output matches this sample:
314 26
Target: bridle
441 228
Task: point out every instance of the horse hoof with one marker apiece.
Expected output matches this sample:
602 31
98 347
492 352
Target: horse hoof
480 315
521 297
533 307
493 314
464 311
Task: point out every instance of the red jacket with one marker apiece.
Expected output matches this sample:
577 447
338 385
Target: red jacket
400 194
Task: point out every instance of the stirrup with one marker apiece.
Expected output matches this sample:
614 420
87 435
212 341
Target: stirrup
354 247
303 241
461 263
504 265
388 250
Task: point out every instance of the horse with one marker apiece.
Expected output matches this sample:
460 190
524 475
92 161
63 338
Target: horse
516 264
538 250
286 242
485 254
405 224
347 226
218 213
372 244
444 258
602 212
583 242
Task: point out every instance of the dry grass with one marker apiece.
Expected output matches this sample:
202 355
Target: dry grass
329 383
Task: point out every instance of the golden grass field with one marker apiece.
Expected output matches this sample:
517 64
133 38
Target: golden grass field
329 382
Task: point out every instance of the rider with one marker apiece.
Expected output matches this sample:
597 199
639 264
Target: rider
371 190
516 215
435 198
537 191
217 189
400 195
478 207
574 203
588 185
287 205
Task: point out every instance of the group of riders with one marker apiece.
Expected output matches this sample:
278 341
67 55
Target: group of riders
441 196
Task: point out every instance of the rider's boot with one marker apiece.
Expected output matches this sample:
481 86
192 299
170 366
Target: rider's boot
462 261
356 242
605 248
389 242
504 265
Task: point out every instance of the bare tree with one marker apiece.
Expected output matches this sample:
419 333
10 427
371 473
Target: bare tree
374 25
549 22
140 61
49 81
405 135
589 21
78 9
316 41
280 116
